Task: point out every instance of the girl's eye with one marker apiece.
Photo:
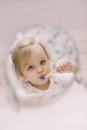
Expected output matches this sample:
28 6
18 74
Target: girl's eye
30 67
43 62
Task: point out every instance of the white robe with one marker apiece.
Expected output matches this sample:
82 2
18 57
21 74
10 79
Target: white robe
58 83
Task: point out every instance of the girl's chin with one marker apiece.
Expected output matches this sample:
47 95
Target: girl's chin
42 82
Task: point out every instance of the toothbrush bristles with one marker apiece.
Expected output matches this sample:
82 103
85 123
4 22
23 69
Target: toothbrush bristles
42 77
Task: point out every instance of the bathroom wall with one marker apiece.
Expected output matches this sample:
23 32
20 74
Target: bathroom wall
71 15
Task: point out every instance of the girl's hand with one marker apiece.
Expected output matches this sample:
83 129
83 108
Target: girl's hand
36 97
65 64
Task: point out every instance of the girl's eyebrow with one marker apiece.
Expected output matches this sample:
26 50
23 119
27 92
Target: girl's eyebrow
43 58
27 65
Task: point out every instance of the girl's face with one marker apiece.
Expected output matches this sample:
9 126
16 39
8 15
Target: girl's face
38 66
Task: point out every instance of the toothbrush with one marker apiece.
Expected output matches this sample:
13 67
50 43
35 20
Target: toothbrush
50 74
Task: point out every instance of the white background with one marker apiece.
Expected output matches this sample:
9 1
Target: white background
16 15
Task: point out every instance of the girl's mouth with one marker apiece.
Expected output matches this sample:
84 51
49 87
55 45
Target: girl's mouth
42 77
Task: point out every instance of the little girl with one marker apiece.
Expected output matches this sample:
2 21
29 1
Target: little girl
31 61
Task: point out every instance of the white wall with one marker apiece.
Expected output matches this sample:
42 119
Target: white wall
71 15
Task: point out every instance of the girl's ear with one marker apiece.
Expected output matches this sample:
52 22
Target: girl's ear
21 74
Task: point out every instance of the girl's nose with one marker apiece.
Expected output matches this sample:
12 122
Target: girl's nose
40 69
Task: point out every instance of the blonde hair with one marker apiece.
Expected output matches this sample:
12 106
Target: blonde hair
21 53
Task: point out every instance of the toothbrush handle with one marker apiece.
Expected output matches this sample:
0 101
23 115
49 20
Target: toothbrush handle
51 73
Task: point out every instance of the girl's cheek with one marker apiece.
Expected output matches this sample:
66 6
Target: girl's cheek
48 69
